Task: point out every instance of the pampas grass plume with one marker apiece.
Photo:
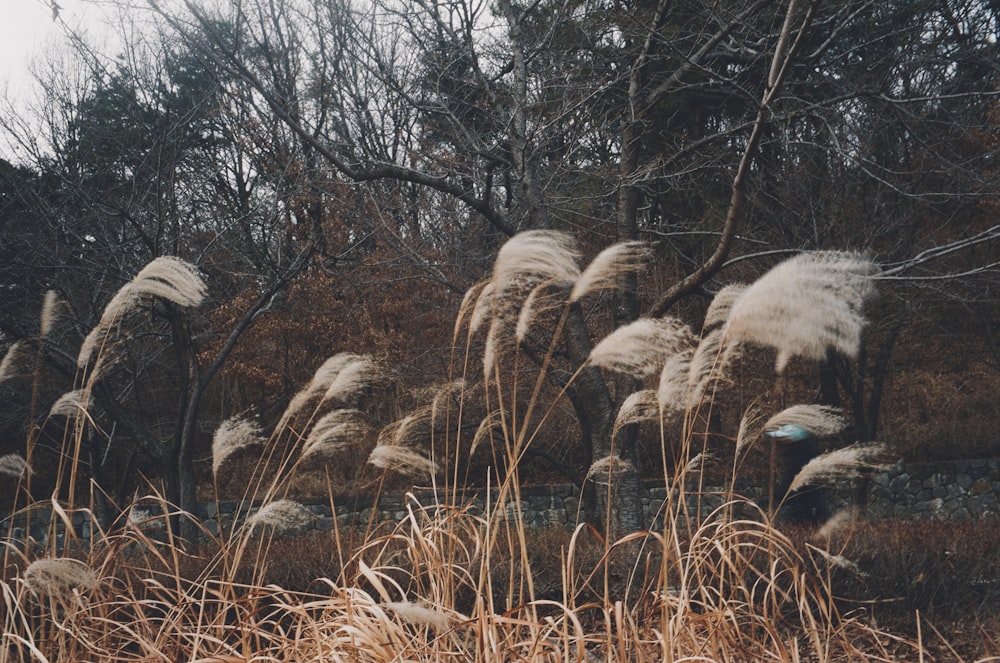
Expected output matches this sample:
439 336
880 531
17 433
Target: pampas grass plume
233 434
672 390
281 517
50 308
402 460
608 469
607 268
534 256
72 404
14 466
13 361
721 305
849 462
819 420
640 348
166 277
640 406
336 431
805 306
59 577
420 615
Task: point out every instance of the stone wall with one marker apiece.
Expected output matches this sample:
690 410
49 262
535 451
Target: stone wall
958 490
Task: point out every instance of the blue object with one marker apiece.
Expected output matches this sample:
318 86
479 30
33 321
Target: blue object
789 432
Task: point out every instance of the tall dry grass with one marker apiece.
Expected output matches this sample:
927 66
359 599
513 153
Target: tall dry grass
449 582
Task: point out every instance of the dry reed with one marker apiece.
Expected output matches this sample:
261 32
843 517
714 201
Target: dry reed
403 460
72 404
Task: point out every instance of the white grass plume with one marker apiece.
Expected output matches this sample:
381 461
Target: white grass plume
805 306
721 305
50 309
468 307
534 256
608 469
414 428
605 271
73 404
699 461
16 360
819 420
483 309
421 615
402 460
849 462
233 434
642 405
336 431
493 421
353 378
166 277
281 517
640 347
672 390
324 383
838 521
708 365
751 427
13 466
838 561
59 577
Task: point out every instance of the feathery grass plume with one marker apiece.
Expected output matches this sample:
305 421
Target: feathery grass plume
608 469
13 466
838 561
483 309
281 517
751 426
468 307
640 348
835 523
402 460
608 266
805 306
708 365
233 434
550 296
421 615
672 390
443 397
414 428
816 420
847 463
59 577
498 341
699 461
73 404
166 277
722 303
16 361
356 376
335 432
491 422
50 308
534 256
322 383
640 406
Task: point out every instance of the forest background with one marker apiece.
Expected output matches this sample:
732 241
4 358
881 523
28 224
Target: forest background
342 172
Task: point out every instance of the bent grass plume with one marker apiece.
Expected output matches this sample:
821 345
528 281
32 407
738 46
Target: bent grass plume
232 435
14 466
166 277
640 348
60 578
281 517
847 463
805 306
